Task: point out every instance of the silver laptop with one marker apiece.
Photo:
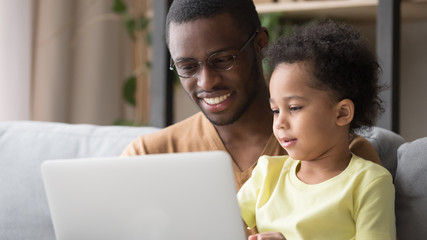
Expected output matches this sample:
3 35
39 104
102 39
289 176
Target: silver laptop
189 196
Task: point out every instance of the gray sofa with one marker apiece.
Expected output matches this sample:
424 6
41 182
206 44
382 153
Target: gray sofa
24 145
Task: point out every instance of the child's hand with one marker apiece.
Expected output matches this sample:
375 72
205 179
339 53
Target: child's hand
267 236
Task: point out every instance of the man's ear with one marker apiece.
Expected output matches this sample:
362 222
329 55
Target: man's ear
345 112
261 41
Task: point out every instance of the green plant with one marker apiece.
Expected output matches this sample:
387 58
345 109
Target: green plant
132 24
276 26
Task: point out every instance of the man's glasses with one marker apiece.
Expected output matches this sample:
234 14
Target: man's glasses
219 61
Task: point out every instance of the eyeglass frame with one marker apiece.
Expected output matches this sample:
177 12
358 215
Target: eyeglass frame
199 63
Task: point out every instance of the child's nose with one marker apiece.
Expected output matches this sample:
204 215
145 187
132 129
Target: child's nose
281 122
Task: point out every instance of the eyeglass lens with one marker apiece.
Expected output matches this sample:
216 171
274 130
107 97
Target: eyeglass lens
221 61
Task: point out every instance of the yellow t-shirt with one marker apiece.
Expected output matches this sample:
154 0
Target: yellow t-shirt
356 204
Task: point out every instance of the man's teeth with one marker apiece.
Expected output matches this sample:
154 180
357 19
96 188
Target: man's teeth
216 100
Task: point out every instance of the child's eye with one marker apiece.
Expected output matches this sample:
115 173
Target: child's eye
275 111
294 108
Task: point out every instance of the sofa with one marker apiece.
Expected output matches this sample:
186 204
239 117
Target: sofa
24 145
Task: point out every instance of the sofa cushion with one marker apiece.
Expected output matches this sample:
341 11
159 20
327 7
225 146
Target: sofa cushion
411 190
24 145
386 144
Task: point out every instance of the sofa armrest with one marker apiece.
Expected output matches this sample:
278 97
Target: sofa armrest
411 190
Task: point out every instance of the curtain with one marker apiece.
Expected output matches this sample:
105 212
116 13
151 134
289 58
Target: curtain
15 59
81 58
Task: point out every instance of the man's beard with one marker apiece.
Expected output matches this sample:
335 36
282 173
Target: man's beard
236 116
251 91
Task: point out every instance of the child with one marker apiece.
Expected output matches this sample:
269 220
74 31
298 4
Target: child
323 87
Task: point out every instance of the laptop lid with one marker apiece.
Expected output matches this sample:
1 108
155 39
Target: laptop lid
154 197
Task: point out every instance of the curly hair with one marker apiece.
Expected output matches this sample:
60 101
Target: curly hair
243 12
342 63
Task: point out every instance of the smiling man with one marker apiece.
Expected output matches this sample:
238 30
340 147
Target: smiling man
216 49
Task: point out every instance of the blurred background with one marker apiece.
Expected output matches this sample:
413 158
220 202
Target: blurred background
105 62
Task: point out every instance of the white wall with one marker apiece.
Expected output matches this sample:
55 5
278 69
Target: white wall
15 59
413 80
413 76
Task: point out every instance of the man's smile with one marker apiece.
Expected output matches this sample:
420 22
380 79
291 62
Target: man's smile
216 100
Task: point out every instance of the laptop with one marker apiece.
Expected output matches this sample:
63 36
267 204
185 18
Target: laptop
189 196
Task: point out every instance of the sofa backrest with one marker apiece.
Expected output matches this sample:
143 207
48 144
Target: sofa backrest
411 190
24 145
386 144
407 162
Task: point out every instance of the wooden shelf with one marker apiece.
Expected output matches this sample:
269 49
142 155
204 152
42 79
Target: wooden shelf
302 6
356 10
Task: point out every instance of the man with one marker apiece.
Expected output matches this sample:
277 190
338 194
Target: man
216 48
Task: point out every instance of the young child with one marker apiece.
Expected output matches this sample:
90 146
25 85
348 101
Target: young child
323 87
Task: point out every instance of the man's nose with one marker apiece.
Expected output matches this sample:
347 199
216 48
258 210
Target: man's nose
207 77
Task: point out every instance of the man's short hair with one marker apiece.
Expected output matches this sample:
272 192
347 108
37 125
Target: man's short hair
243 13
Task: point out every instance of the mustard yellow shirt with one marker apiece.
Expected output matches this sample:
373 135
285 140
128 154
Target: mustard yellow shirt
356 204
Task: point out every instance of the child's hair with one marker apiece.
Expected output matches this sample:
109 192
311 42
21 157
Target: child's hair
341 61
243 13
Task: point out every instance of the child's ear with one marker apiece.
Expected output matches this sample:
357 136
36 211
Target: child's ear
345 112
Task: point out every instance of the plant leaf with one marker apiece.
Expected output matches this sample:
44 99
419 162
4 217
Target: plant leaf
149 38
119 7
130 25
141 23
129 90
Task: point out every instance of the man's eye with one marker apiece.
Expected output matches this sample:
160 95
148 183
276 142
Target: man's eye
188 67
222 62
222 59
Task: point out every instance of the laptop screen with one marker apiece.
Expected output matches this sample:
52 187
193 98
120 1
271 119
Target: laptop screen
159 196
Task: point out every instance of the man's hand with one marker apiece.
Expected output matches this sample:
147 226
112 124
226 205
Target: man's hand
267 236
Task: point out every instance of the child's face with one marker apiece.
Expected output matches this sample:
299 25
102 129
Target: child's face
304 117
